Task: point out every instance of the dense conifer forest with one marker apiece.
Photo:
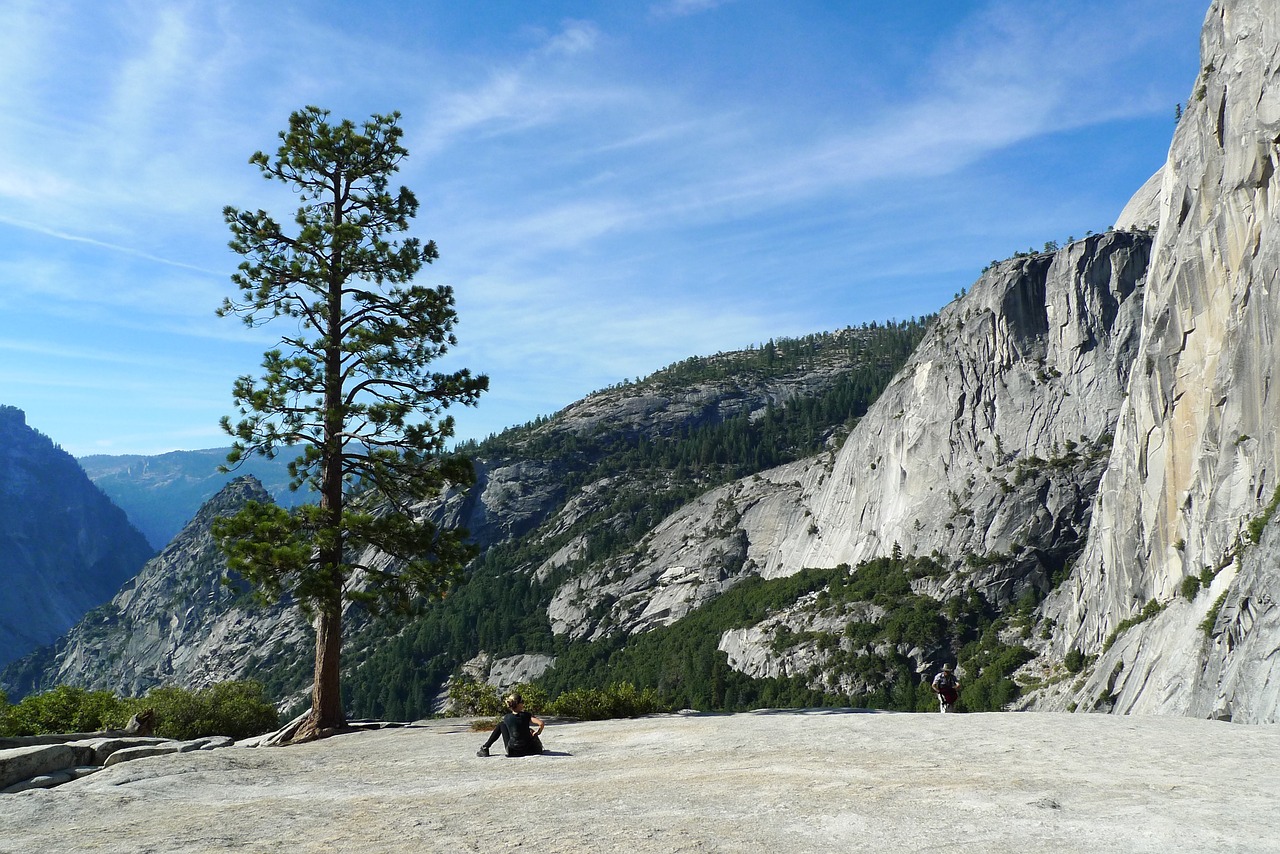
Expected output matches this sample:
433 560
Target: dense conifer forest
398 665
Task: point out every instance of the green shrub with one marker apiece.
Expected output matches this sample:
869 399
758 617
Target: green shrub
1074 662
993 688
235 709
1190 586
622 700
1257 524
64 709
470 697
1211 619
1148 611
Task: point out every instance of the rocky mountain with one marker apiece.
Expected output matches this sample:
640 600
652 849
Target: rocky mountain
161 493
1182 538
989 442
981 457
64 546
175 623
1096 425
603 470
1065 484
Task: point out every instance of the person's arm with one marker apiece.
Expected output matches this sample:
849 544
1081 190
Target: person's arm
537 721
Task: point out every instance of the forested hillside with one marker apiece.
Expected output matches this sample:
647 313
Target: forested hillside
620 462
818 521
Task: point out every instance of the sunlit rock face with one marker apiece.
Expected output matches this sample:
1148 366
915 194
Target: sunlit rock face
990 441
1195 455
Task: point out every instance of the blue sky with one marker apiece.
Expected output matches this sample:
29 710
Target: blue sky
613 186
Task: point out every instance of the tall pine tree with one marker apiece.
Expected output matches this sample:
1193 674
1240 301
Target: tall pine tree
350 386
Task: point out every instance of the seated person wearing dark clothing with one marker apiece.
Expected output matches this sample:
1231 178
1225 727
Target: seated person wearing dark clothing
516 730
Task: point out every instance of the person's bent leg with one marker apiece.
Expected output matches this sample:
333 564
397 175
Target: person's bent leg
493 736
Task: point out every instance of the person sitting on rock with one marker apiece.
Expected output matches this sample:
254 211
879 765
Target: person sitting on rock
516 729
947 687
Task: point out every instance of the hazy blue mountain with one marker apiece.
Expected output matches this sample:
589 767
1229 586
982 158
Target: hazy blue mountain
64 547
175 622
162 493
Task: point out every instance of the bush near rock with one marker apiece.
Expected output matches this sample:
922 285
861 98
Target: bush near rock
236 709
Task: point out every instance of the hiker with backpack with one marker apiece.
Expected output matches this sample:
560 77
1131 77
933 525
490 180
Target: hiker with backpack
947 687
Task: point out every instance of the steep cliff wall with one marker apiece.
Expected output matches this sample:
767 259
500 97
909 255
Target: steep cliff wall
1196 450
175 623
1018 384
989 442
64 547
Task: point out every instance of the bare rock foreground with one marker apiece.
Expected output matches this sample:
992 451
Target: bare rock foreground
813 781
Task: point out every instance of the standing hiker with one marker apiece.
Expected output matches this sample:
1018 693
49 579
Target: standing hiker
947 687
516 729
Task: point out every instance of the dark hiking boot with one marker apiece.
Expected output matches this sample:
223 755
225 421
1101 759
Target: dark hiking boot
484 751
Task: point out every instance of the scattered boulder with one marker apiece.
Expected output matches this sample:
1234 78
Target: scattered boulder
143 723
211 742
104 748
42 781
45 761
24 763
142 751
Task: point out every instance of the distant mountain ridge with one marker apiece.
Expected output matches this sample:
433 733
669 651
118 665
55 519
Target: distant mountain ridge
64 547
161 493
706 420
166 624
1067 485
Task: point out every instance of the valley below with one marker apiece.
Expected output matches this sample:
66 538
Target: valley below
781 781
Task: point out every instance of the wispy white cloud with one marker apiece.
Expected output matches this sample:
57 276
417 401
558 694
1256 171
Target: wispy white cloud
576 37
601 213
519 96
684 8
111 247
1010 75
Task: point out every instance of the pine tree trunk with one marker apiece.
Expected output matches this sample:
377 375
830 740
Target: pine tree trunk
326 695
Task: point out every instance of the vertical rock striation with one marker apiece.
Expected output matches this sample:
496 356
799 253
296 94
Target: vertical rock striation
986 442
1196 452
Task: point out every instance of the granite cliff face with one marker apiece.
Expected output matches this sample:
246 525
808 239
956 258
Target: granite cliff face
1105 415
64 547
989 439
1196 454
989 442
1085 445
